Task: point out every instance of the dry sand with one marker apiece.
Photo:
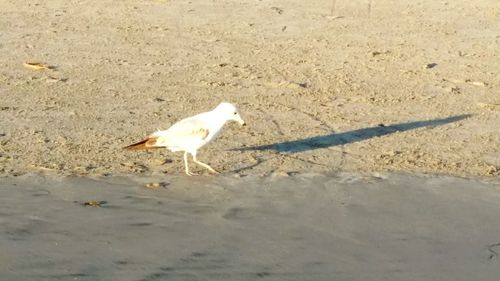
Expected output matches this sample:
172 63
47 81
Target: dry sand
308 227
326 76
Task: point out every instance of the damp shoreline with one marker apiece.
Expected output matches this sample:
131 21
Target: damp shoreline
302 227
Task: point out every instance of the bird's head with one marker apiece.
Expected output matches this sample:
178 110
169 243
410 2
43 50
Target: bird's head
230 112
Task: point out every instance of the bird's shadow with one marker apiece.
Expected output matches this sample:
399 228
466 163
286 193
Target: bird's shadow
334 139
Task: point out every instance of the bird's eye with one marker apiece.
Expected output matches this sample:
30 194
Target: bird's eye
235 113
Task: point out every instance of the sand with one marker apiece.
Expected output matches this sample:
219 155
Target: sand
373 80
307 227
353 109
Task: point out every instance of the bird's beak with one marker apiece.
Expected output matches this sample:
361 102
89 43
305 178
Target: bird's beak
239 120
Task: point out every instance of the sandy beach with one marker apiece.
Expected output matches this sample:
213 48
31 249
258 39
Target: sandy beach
371 151
356 85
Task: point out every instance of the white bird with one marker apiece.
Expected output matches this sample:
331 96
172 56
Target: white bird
192 133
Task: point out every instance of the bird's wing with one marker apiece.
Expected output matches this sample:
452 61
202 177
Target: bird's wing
182 133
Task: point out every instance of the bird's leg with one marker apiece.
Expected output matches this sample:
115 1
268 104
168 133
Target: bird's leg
186 165
204 165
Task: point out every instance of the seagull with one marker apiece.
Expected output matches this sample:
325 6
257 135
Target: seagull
191 133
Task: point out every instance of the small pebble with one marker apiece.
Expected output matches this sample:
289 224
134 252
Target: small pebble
430 65
155 185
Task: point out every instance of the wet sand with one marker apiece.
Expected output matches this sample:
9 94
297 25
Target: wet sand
307 227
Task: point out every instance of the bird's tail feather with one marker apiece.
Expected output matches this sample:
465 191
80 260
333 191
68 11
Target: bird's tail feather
144 144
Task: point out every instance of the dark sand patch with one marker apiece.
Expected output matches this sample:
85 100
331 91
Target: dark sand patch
317 227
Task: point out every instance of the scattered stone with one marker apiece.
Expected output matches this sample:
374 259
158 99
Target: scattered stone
91 203
430 65
492 170
280 174
155 185
380 175
453 90
296 85
377 53
253 159
277 10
